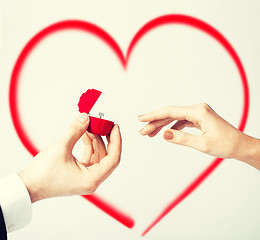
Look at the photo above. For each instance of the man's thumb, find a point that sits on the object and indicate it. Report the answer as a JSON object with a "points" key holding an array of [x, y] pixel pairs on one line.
{"points": [[76, 130]]}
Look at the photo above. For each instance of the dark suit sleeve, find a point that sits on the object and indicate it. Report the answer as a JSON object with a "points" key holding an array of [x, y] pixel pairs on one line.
{"points": [[3, 235]]}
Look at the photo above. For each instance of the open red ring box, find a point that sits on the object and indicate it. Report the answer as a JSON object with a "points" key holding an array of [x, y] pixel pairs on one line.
{"points": [[97, 126]]}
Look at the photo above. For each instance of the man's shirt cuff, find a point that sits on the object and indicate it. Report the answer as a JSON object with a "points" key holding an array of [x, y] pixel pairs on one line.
{"points": [[15, 202]]}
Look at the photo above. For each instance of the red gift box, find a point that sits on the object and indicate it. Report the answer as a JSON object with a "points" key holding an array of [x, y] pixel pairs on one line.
{"points": [[97, 126]]}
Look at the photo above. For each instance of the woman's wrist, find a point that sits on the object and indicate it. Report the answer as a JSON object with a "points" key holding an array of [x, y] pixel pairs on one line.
{"points": [[249, 151], [254, 153]]}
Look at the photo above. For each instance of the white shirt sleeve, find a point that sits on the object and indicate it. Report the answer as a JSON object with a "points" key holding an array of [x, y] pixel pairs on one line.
{"points": [[15, 202]]}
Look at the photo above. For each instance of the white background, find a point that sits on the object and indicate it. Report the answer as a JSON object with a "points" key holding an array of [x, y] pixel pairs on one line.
{"points": [[172, 65]]}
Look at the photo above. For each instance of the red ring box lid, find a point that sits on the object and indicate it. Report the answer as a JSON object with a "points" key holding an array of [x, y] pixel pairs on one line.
{"points": [[97, 126]]}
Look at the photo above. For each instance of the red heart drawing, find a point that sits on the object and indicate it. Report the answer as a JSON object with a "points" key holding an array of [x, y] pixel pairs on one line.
{"points": [[124, 59]]}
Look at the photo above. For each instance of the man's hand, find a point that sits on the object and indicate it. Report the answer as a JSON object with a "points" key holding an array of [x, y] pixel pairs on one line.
{"points": [[56, 172], [218, 138]]}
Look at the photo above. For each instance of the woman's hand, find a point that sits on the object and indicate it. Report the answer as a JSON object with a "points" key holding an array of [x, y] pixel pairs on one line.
{"points": [[218, 138], [56, 172]]}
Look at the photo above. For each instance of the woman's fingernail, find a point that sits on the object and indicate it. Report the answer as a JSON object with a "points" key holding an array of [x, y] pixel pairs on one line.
{"points": [[168, 135], [83, 117], [140, 116]]}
